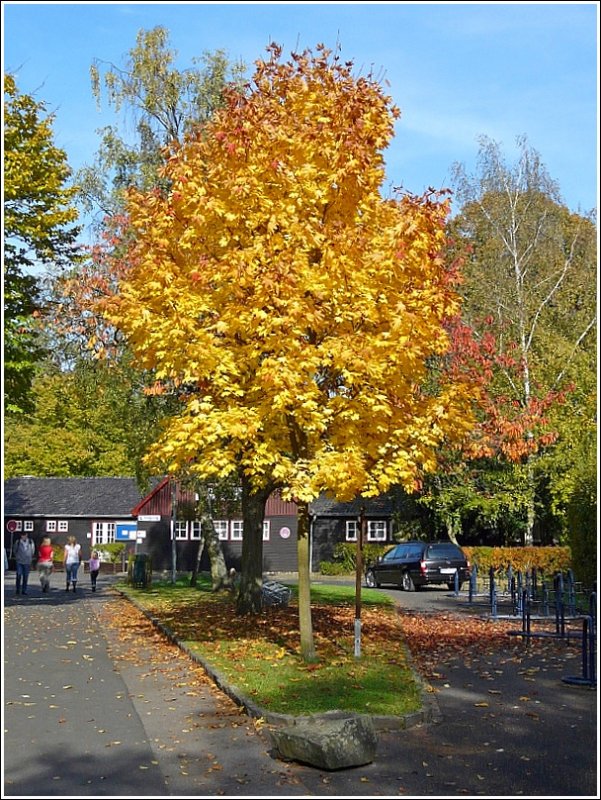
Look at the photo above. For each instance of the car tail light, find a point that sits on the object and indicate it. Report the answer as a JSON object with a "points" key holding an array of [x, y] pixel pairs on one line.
{"points": [[423, 567]]}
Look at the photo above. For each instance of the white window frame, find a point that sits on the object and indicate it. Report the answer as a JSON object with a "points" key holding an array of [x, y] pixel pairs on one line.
{"points": [[50, 526], [236, 530], [352, 526], [266, 529], [195, 530], [377, 530], [63, 525], [28, 525], [221, 528], [104, 532], [181, 530]]}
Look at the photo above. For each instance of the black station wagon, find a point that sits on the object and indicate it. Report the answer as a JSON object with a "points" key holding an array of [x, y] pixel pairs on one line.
{"points": [[412, 565]]}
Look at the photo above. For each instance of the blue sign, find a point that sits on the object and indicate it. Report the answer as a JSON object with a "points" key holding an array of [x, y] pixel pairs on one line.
{"points": [[126, 531]]}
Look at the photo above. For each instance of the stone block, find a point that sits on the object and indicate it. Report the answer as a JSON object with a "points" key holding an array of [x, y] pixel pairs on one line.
{"points": [[327, 743]]}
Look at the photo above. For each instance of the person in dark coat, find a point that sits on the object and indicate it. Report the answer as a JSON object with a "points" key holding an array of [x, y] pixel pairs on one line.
{"points": [[23, 551]]}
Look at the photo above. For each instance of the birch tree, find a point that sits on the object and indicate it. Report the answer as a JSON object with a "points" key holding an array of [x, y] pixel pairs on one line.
{"points": [[529, 282]]}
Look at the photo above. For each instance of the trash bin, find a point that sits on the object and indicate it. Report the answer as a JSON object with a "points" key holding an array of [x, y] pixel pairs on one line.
{"points": [[141, 571]]}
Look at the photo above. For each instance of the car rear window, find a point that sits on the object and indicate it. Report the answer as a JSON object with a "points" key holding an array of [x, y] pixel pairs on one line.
{"points": [[444, 551]]}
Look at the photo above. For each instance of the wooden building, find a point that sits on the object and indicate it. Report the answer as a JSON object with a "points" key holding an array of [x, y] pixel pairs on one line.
{"points": [[168, 506], [100, 511], [94, 510]]}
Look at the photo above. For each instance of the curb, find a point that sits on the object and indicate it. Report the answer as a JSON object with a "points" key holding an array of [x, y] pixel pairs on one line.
{"points": [[429, 713]]}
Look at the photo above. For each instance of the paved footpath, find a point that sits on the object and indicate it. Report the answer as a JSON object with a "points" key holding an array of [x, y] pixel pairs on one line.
{"points": [[93, 708]]}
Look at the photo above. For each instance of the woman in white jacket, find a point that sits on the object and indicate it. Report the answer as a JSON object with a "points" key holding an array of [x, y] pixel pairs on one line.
{"points": [[72, 559]]}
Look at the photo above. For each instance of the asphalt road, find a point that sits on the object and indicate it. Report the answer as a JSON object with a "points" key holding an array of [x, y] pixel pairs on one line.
{"points": [[427, 600], [85, 718]]}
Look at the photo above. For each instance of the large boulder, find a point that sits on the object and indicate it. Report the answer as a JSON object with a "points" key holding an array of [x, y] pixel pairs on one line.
{"points": [[327, 743]]}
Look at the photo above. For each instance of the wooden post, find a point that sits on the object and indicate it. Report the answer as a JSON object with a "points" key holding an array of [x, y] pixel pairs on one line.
{"points": [[358, 578], [173, 541]]}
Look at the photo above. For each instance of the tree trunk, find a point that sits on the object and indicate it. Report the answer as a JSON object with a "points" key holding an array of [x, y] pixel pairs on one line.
{"points": [[304, 585], [251, 576], [219, 575], [196, 570], [453, 525], [530, 503]]}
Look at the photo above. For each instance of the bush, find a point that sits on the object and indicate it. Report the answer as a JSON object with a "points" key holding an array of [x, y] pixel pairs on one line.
{"points": [[582, 526], [333, 568], [546, 560], [111, 553], [345, 553]]}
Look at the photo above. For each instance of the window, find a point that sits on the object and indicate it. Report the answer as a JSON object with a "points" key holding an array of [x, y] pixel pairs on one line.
{"points": [[181, 529], [351, 530], [394, 554], [236, 530], [195, 530], [50, 526], [376, 530], [220, 526], [444, 550], [28, 525], [103, 532], [63, 526], [266, 529]]}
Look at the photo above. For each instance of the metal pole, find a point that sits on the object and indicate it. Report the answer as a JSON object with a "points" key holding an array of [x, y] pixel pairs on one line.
{"points": [[358, 577]]}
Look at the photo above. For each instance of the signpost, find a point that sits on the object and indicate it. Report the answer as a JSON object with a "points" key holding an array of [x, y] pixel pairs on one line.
{"points": [[173, 542]]}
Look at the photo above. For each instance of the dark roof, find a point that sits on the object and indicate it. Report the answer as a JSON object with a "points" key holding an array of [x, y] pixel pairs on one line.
{"points": [[326, 506], [70, 497]]}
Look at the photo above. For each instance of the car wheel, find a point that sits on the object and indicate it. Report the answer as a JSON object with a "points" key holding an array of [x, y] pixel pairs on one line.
{"points": [[370, 580], [407, 583], [451, 585]]}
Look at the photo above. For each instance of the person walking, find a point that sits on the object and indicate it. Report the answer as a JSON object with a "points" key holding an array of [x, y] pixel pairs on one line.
{"points": [[72, 557], [45, 563], [23, 552], [94, 565]]}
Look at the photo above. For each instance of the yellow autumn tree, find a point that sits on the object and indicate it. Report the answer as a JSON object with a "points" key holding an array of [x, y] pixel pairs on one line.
{"points": [[295, 305]]}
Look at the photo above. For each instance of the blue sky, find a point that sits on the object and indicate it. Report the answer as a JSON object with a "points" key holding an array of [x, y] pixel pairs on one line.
{"points": [[456, 71]]}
